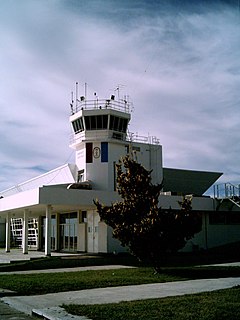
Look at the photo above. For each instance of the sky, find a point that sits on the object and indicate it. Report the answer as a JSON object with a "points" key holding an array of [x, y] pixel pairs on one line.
{"points": [[178, 61]]}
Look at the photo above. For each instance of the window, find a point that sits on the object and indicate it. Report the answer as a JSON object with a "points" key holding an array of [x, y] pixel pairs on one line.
{"points": [[224, 217], [118, 124], [80, 176], [96, 122], [69, 218], [78, 125], [129, 148], [83, 217]]}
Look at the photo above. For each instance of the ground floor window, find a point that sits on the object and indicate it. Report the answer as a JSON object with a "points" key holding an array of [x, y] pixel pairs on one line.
{"points": [[224, 217], [68, 231]]}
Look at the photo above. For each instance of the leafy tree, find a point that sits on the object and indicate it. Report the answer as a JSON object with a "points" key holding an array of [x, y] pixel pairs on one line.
{"points": [[139, 223]]}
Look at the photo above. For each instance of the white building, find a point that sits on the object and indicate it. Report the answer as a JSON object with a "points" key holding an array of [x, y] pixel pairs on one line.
{"points": [[60, 204]]}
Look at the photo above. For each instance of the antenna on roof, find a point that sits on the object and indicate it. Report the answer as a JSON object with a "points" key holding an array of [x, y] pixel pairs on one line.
{"points": [[85, 90], [71, 103], [119, 86], [76, 95]]}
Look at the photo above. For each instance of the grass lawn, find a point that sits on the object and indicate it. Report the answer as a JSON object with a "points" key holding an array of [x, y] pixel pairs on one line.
{"points": [[217, 305], [42, 283]]}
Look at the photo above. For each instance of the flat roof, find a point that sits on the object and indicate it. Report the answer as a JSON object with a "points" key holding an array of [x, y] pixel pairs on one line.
{"points": [[181, 181]]}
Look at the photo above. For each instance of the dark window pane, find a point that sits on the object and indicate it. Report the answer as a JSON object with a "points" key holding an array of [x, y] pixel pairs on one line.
{"points": [[93, 123], [87, 122], [105, 121], [111, 123]]}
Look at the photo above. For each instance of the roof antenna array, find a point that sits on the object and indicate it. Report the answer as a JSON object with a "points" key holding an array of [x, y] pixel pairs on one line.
{"points": [[71, 103], [119, 86], [76, 96], [74, 102]]}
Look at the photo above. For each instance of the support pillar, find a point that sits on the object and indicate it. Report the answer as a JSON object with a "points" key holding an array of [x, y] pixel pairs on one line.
{"points": [[57, 233], [8, 231], [48, 231], [25, 232], [39, 233]]}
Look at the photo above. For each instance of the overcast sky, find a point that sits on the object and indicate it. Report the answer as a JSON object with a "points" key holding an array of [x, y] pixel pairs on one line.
{"points": [[179, 61]]}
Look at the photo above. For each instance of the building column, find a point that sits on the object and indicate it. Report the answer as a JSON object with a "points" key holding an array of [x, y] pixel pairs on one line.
{"points": [[8, 231], [25, 232], [48, 231], [57, 232], [39, 233]]}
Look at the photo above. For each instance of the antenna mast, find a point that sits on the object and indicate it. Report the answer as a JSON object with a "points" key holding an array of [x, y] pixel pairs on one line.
{"points": [[85, 90], [76, 95], [71, 104]]}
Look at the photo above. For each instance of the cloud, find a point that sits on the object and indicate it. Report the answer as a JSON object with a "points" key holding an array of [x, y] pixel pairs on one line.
{"points": [[179, 62]]}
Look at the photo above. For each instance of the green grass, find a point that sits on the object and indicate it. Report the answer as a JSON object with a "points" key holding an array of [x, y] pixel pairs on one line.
{"points": [[43, 283], [68, 262], [217, 305]]}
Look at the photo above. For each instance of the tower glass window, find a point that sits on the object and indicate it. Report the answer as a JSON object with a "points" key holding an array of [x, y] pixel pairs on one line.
{"points": [[118, 124], [78, 125], [96, 122]]}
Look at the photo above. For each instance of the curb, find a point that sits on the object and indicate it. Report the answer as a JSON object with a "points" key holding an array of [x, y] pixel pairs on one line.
{"points": [[56, 313]]}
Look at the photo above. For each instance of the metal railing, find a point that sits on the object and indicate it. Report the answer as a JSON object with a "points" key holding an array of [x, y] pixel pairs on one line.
{"points": [[135, 137], [120, 105], [226, 190]]}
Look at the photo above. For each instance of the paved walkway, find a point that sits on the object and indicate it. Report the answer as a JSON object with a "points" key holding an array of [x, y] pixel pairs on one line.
{"points": [[17, 255], [49, 303], [8, 313]]}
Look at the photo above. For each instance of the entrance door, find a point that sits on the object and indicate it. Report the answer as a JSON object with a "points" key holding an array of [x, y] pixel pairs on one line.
{"points": [[68, 231], [93, 220]]}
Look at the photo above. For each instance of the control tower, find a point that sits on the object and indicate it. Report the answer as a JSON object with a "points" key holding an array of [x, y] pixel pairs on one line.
{"points": [[100, 138]]}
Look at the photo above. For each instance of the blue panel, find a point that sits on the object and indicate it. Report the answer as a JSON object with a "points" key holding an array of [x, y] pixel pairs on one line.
{"points": [[104, 152]]}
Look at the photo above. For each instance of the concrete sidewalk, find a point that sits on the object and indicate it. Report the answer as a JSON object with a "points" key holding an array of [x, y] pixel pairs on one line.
{"points": [[17, 255], [47, 305]]}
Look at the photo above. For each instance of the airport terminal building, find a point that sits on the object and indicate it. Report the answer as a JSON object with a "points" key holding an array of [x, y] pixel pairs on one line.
{"points": [[55, 211]]}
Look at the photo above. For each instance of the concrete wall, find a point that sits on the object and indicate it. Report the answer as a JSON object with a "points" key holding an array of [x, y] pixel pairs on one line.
{"points": [[213, 235], [114, 245]]}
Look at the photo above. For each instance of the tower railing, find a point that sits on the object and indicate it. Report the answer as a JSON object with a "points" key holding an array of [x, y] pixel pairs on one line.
{"points": [[120, 105]]}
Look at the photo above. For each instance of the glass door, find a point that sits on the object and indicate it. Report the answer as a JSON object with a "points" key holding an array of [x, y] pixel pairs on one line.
{"points": [[68, 231]]}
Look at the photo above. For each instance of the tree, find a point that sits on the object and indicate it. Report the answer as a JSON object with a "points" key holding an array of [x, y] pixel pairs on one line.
{"points": [[139, 223]]}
